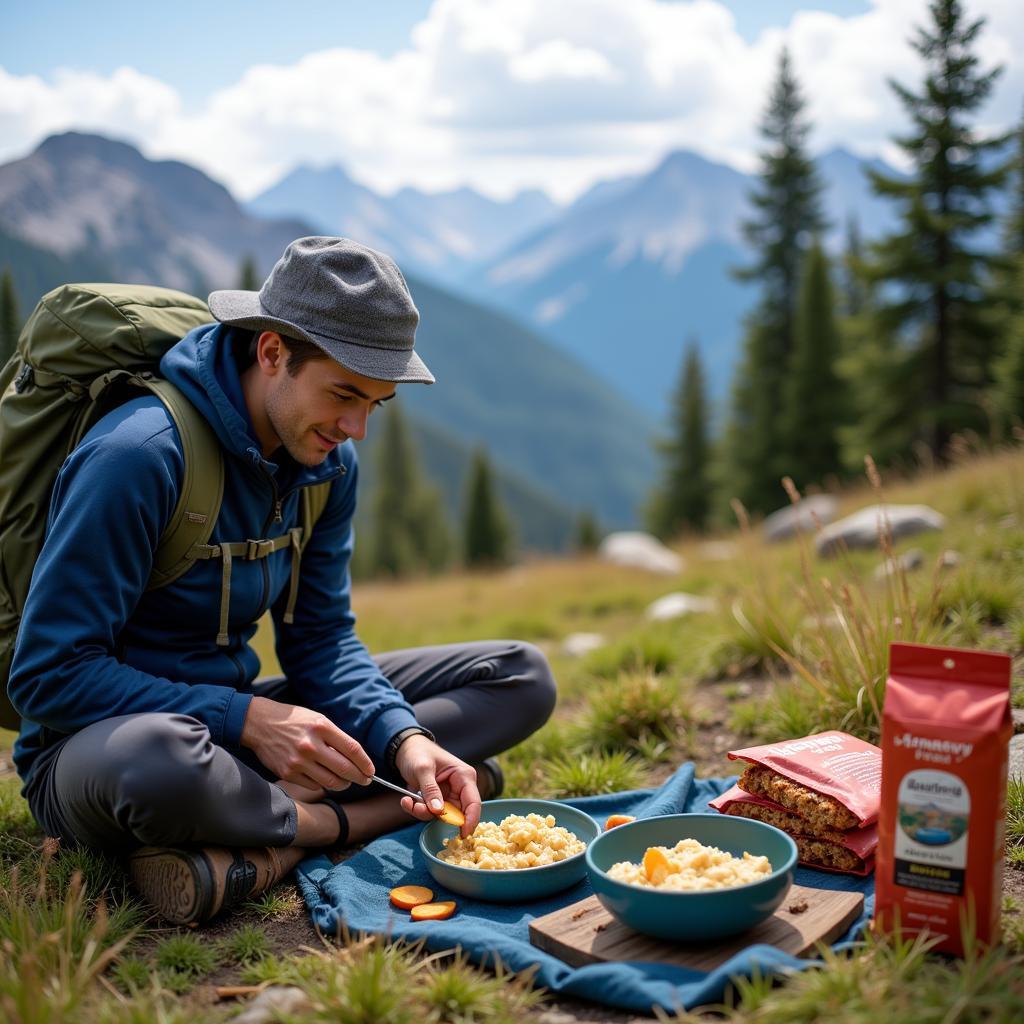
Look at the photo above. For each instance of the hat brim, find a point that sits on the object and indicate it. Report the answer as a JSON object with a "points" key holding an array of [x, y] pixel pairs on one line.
{"points": [[399, 366]]}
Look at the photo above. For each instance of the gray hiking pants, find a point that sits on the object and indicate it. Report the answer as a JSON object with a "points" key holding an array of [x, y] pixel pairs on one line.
{"points": [[158, 779]]}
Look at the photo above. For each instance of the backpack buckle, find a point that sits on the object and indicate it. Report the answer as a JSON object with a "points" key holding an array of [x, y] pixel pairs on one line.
{"points": [[24, 380], [258, 549]]}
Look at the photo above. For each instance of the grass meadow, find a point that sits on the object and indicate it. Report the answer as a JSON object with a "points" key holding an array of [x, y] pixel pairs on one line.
{"points": [[796, 644]]}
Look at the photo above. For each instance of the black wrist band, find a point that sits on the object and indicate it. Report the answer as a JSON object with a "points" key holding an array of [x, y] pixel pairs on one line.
{"points": [[342, 821], [391, 751]]}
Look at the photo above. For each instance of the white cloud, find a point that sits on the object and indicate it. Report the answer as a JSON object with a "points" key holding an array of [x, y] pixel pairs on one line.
{"points": [[502, 94]]}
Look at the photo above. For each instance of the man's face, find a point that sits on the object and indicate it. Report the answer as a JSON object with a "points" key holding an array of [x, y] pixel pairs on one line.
{"points": [[321, 407]]}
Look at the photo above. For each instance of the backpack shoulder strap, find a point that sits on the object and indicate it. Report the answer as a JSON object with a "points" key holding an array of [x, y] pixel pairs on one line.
{"points": [[202, 487], [314, 501]]}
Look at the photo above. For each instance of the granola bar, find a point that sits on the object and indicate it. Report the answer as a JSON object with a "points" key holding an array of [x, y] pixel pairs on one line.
{"points": [[823, 812]]}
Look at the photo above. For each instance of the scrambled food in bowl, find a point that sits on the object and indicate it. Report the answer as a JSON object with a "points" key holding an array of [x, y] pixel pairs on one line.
{"points": [[518, 841], [690, 866]]}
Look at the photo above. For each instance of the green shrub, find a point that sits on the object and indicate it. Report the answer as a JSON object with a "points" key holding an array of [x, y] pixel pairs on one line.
{"points": [[590, 774], [245, 945], [636, 707], [184, 958]]}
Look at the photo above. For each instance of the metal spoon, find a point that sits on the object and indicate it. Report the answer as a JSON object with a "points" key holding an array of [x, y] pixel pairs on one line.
{"points": [[417, 797]]}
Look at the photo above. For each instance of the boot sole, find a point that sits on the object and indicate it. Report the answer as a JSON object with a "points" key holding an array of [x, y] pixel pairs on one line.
{"points": [[178, 884]]}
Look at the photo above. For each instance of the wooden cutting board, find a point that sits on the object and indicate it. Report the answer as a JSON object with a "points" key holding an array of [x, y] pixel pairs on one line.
{"points": [[586, 933]]}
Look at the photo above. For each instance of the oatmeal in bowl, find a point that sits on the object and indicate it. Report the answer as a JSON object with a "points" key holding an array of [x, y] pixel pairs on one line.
{"points": [[692, 877], [521, 850]]}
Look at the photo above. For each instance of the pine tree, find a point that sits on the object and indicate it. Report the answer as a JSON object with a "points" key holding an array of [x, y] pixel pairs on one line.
{"points": [[855, 289], [814, 401], [10, 318], [1013, 225], [486, 534], [787, 215], [248, 279], [937, 308], [683, 501], [410, 533], [1008, 388], [588, 533]]}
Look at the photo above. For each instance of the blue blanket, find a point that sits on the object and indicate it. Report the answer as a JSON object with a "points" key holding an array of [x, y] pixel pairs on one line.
{"points": [[355, 893]]}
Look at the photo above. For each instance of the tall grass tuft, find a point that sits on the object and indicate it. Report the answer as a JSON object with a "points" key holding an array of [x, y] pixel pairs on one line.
{"points": [[54, 948], [891, 980], [840, 660]]}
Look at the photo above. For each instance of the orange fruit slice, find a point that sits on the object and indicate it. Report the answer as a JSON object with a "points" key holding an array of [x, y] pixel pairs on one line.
{"points": [[451, 815], [433, 911], [656, 865], [618, 819], [409, 896]]}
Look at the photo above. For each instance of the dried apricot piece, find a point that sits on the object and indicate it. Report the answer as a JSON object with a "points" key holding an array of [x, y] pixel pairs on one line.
{"points": [[433, 911], [409, 896], [618, 819], [451, 815], [656, 865]]}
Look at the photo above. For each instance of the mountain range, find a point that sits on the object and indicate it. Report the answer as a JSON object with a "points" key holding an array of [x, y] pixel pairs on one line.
{"points": [[442, 234], [621, 278], [82, 207]]}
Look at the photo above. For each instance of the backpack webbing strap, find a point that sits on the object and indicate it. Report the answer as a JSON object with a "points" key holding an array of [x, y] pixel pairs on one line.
{"points": [[314, 501], [250, 550]]}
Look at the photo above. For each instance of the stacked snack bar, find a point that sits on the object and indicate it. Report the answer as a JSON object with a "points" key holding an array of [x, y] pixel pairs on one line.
{"points": [[823, 790]]}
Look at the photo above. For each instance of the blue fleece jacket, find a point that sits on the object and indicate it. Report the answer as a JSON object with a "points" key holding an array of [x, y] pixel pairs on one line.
{"points": [[95, 644]]}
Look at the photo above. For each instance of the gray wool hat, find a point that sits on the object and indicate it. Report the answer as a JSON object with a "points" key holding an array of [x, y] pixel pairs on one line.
{"points": [[345, 298]]}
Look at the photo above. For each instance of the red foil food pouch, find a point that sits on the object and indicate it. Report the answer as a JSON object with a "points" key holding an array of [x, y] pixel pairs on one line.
{"points": [[945, 739], [833, 763]]}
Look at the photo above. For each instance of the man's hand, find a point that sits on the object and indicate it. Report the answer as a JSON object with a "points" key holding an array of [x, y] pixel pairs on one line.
{"points": [[303, 746], [438, 775]]}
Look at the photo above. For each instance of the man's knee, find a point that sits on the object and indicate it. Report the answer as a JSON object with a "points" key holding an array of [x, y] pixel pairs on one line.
{"points": [[132, 777], [146, 759], [540, 688], [162, 760]]}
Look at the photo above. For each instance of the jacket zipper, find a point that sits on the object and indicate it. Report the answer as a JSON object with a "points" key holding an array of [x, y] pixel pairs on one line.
{"points": [[277, 515]]}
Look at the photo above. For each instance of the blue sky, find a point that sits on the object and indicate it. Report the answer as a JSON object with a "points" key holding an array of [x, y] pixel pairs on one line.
{"points": [[497, 94]]}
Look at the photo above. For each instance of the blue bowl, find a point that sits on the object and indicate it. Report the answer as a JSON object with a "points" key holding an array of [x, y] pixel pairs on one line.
{"points": [[700, 915], [520, 884]]}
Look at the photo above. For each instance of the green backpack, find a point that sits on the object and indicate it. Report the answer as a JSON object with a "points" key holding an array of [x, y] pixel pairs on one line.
{"points": [[85, 349]]}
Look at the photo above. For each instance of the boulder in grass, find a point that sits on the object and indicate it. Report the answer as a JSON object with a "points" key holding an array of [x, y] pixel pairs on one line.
{"points": [[907, 562], [805, 517], [575, 645], [272, 1002], [862, 529], [640, 550], [674, 606]]}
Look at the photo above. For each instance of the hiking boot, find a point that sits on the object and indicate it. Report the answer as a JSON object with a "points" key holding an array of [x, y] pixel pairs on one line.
{"points": [[490, 779], [185, 886]]}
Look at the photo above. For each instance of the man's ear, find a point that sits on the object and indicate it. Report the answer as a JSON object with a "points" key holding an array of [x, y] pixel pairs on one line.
{"points": [[270, 352]]}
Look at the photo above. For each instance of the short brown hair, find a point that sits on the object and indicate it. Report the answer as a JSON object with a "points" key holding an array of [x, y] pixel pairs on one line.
{"points": [[299, 351]]}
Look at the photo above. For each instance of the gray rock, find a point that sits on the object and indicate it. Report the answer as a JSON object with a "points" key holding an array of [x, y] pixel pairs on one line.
{"points": [[674, 606], [907, 562], [640, 550], [861, 529], [1017, 756], [575, 645], [805, 517], [272, 1002]]}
